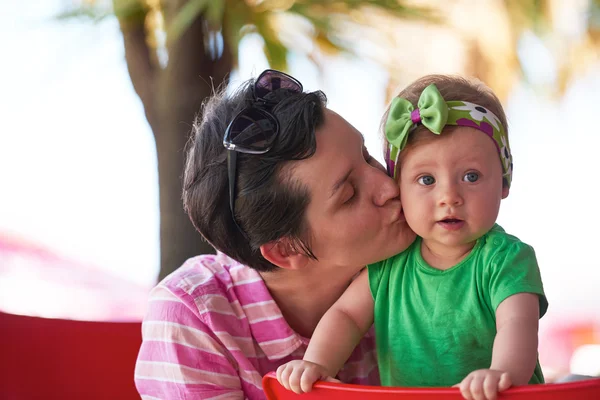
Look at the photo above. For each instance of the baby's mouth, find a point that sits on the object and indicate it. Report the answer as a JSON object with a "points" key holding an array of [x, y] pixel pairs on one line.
{"points": [[450, 220], [451, 224]]}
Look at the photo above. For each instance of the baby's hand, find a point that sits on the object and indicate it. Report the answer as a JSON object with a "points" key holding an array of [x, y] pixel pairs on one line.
{"points": [[484, 384], [299, 375]]}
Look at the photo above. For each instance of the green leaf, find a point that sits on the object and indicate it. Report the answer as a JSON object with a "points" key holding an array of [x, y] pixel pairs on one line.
{"points": [[275, 51], [234, 20], [123, 9], [190, 11], [92, 13], [214, 13], [594, 15], [127, 9]]}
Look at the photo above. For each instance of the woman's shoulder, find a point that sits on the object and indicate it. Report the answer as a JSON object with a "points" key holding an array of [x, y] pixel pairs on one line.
{"points": [[203, 271], [205, 280]]}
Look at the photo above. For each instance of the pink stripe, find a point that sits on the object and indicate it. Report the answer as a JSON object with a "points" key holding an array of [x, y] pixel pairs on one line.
{"points": [[255, 312], [219, 304], [212, 326], [177, 313], [251, 392], [269, 331], [188, 315], [191, 357], [175, 353], [162, 371], [198, 359], [253, 292], [170, 311], [171, 390]]}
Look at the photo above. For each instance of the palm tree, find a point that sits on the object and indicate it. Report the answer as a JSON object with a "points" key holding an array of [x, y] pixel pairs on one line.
{"points": [[178, 50]]}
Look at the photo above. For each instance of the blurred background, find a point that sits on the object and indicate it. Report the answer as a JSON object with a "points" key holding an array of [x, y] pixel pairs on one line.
{"points": [[97, 100]]}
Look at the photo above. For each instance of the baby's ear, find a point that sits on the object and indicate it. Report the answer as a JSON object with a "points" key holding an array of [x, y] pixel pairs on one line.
{"points": [[505, 191], [282, 254]]}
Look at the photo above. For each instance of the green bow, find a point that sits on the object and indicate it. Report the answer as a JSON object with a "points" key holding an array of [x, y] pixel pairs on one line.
{"points": [[433, 111]]}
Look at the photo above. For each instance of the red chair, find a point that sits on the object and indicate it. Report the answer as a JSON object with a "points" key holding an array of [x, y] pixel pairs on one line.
{"points": [[582, 390], [44, 358]]}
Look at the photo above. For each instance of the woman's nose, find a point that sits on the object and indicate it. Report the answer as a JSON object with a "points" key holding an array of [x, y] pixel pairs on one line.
{"points": [[384, 188]]}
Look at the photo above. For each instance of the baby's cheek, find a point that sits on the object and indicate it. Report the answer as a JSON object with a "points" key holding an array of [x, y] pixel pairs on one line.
{"points": [[413, 210], [403, 186], [407, 195]]}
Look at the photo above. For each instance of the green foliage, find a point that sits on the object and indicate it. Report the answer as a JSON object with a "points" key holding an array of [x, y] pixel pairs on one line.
{"points": [[233, 19], [96, 12], [594, 15], [186, 16], [236, 18]]}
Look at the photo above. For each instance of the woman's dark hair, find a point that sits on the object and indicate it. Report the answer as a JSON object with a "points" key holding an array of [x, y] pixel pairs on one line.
{"points": [[270, 203]]}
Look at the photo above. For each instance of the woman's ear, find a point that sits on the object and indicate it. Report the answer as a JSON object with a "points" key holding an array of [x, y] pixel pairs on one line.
{"points": [[282, 254], [505, 190]]}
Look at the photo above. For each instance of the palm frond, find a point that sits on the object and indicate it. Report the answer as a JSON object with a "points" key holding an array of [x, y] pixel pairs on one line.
{"points": [[275, 51], [91, 13], [97, 11], [215, 12], [235, 19], [333, 21], [184, 18]]}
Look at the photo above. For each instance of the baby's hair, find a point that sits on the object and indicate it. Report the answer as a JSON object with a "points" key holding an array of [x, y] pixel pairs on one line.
{"points": [[451, 87]]}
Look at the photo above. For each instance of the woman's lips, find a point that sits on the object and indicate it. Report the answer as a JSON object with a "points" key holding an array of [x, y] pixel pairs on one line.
{"points": [[402, 218], [398, 216]]}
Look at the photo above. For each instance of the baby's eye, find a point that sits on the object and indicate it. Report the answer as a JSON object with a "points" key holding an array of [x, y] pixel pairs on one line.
{"points": [[426, 180], [471, 177]]}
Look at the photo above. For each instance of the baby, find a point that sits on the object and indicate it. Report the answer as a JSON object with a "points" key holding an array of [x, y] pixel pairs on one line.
{"points": [[461, 305]]}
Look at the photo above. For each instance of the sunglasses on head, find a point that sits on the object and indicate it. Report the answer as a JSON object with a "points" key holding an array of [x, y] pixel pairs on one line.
{"points": [[254, 129]]}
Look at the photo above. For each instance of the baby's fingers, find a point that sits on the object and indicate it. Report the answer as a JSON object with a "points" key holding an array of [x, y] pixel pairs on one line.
{"points": [[308, 378], [283, 375], [476, 388], [294, 380], [490, 387], [465, 387], [505, 382]]}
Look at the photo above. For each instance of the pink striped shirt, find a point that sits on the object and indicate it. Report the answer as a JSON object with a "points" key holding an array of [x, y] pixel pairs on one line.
{"points": [[212, 330]]}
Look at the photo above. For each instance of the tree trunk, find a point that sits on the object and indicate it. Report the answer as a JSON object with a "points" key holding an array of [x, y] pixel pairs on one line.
{"points": [[172, 97]]}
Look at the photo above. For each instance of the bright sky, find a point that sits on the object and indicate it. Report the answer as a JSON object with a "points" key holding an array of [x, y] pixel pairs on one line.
{"points": [[78, 168]]}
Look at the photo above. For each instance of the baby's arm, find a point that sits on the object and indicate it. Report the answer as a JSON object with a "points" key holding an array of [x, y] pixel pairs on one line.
{"points": [[514, 355], [334, 339], [516, 343]]}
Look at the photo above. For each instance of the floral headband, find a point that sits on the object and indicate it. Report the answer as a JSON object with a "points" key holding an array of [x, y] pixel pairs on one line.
{"points": [[435, 113]]}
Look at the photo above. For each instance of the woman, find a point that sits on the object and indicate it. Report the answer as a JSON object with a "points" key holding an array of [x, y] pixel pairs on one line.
{"points": [[286, 191]]}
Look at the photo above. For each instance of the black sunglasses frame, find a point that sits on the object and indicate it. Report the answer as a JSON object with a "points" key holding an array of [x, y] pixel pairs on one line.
{"points": [[249, 114]]}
